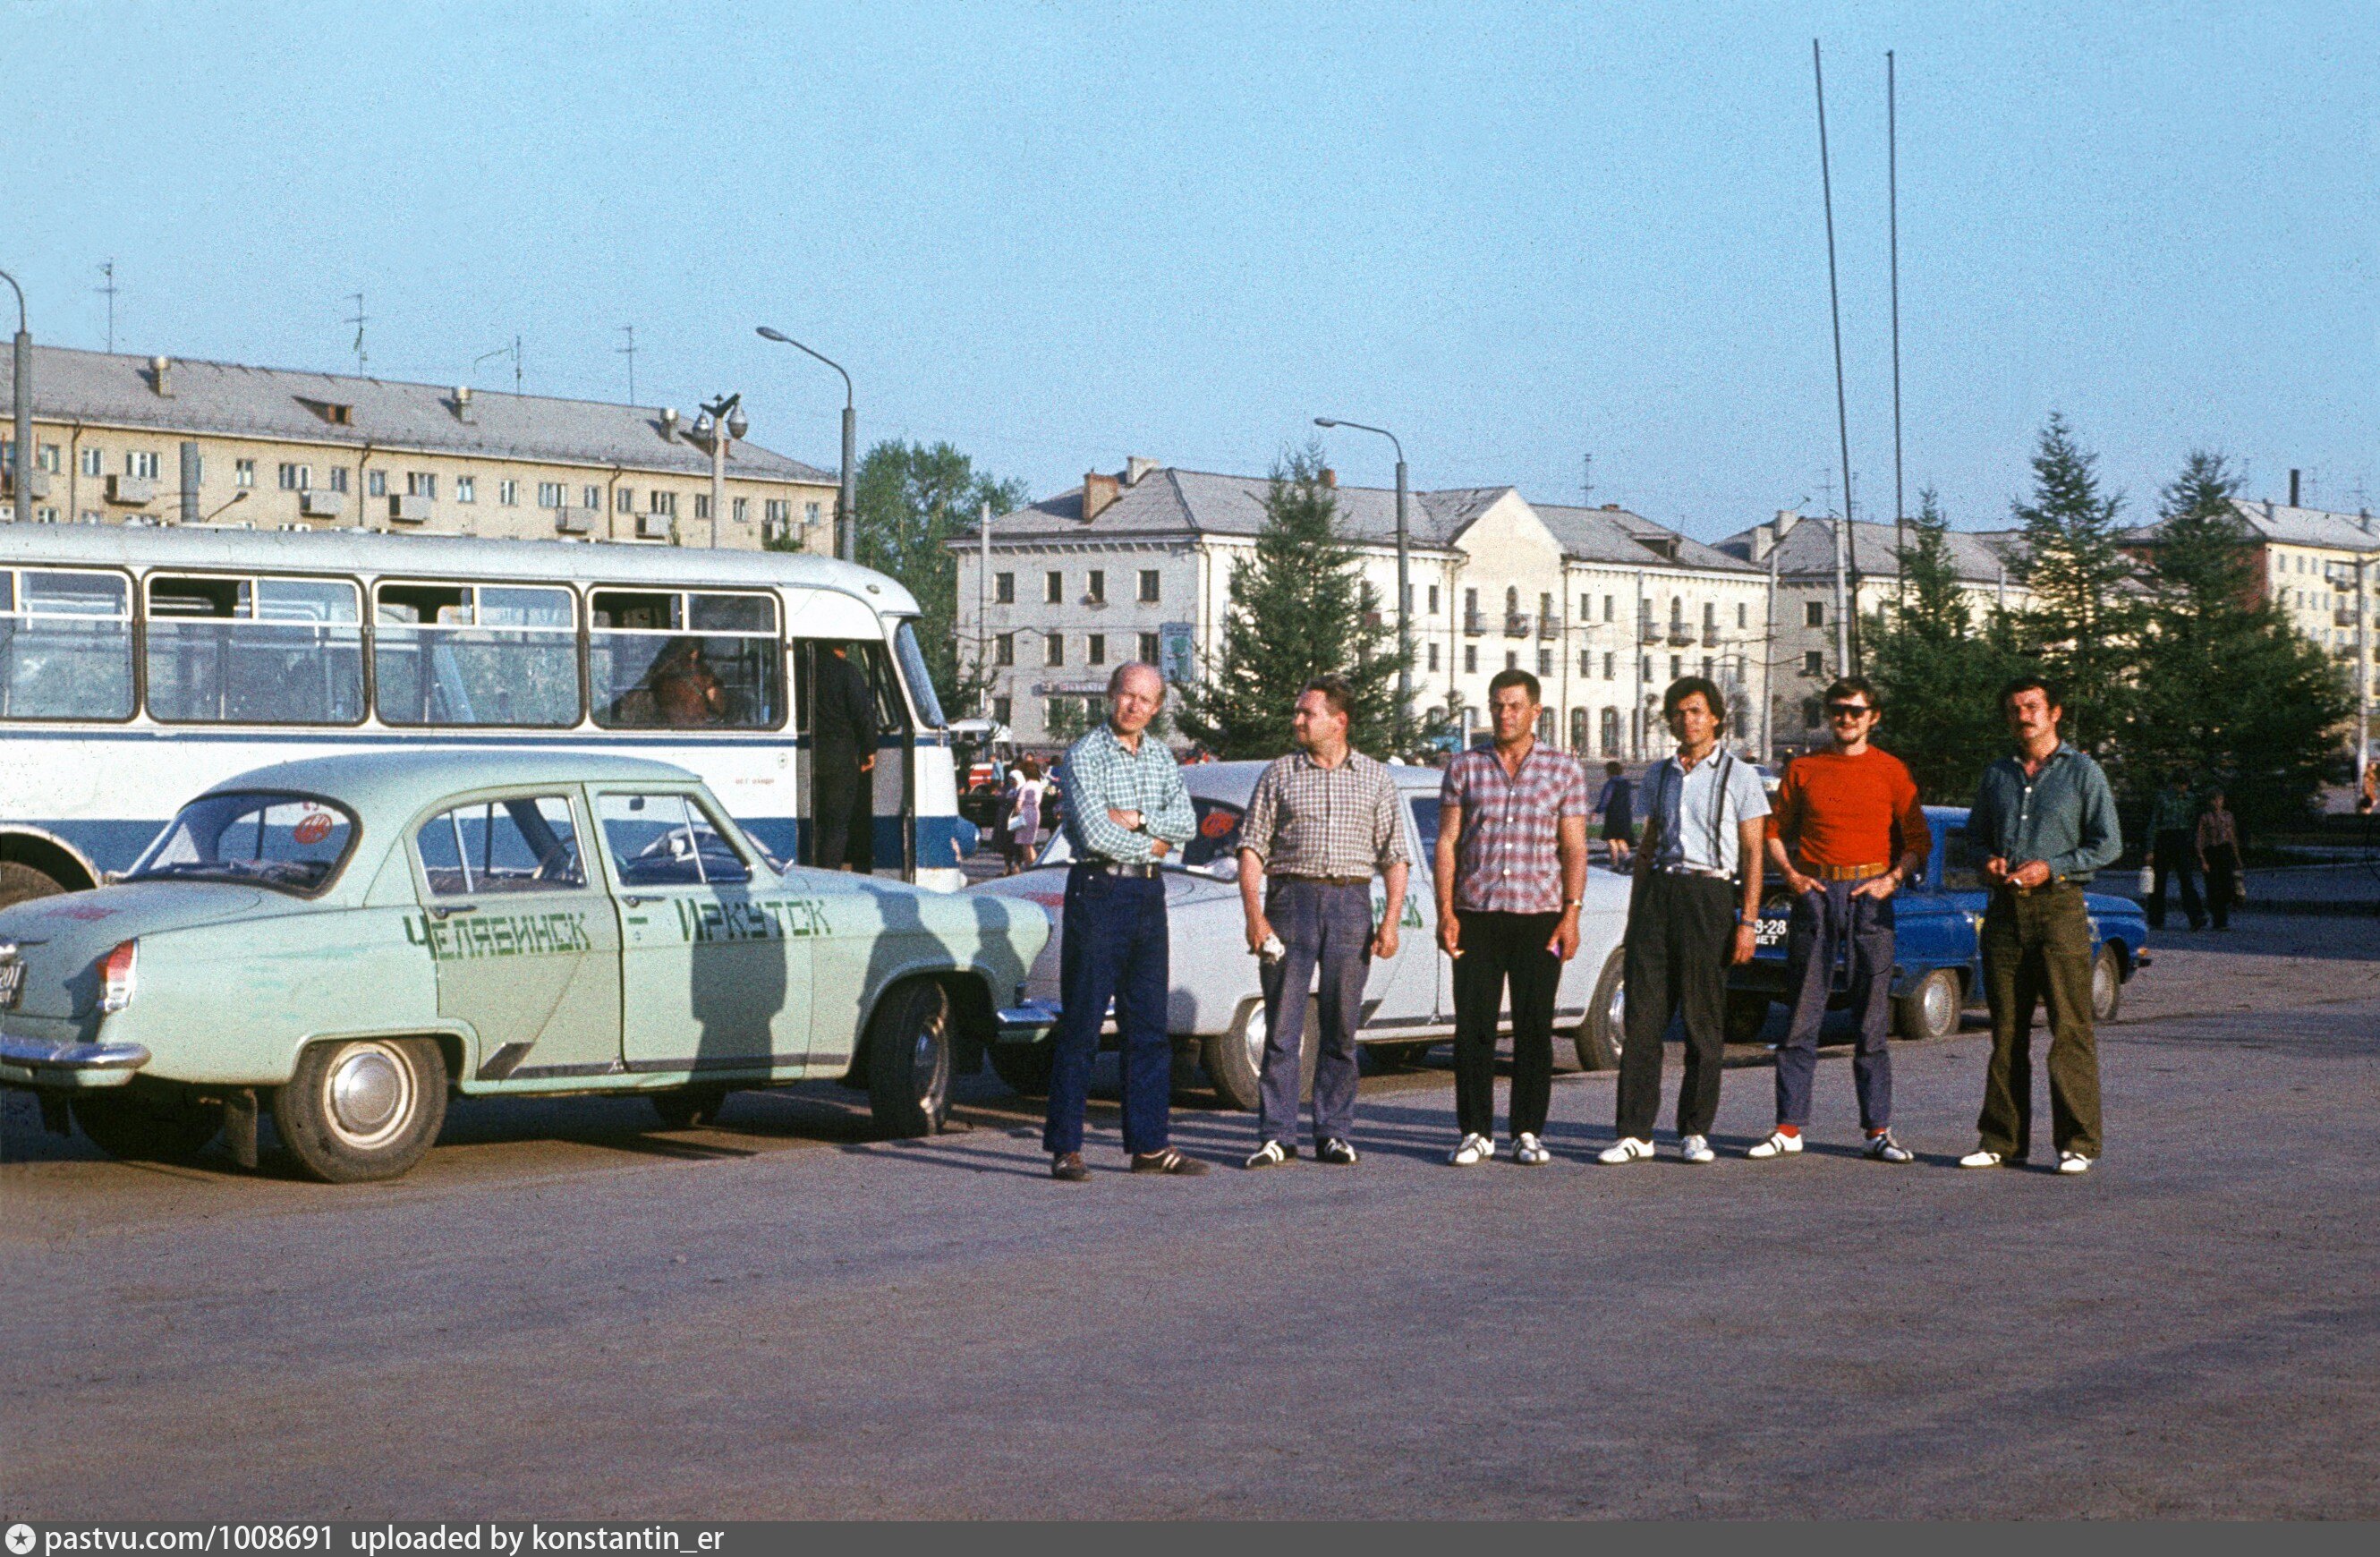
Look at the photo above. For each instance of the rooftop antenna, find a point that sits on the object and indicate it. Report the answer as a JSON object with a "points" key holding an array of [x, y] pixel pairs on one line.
{"points": [[1892, 196], [107, 290], [513, 351], [1586, 481], [630, 351], [1844, 665], [358, 320]]}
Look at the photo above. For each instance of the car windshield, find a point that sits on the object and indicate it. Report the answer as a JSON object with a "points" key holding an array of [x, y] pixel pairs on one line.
{"points": [[1960, 872], [291, 843], [1217, 838]]}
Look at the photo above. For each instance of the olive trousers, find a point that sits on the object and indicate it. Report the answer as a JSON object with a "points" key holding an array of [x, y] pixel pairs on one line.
{"points": [[2037, 949]]}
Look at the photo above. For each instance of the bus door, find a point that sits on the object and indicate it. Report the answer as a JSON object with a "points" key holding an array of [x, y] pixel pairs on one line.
{"points": [[884, 840]]}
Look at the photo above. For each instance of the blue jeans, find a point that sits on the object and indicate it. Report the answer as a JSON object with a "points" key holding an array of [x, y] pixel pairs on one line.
{"points": [[1114, 946], [1329, 928], [1824, 922]]}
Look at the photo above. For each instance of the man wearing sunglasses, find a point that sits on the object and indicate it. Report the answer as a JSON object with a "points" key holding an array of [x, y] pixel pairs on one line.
{"points": [[1831, 837]]}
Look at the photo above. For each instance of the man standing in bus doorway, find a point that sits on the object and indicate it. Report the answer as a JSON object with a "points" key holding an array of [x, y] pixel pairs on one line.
{"points": [[842, 753], [1126, 811], [1688, 922], [1831, 838]]}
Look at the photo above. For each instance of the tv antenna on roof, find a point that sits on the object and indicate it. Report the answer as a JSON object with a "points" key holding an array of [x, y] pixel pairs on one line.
{"points": [[1586, 481], [513, 351], [107, 290], [358, 321], [630, 351]]}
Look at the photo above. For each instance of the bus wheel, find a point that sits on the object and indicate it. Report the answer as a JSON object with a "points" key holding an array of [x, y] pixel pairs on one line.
{"points": [[149, 1121], [19, 881], [1026, 1067], [909, 1060], [683, 1108], [1597, 1039], [368, 1108]]}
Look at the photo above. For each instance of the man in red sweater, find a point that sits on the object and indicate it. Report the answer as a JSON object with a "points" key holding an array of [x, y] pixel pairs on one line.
{"points": [[1831, 837]]}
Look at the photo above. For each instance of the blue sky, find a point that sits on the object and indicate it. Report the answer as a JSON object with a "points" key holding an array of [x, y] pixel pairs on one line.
{"points": [[1057, 233]]}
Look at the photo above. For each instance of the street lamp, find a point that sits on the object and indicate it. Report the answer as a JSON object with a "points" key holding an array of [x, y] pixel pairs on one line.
{"points": [[1404, 590], [721, 423], [846, 540], [24, 389]]}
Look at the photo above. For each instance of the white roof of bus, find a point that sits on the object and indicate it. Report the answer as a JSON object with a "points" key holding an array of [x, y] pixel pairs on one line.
{"points": [[378, 553]]}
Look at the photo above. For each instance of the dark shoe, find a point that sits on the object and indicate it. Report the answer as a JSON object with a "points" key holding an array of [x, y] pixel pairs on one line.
{"points": [[1335, 1150], [1166, 1161], [1068, 1166]]}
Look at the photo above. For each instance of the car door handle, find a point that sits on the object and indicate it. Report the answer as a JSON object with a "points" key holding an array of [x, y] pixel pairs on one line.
{"points": [[633, 901], [449, 910]]}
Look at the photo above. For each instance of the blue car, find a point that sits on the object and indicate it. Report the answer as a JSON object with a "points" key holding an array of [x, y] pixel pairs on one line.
{"points": [[1939, 967]]}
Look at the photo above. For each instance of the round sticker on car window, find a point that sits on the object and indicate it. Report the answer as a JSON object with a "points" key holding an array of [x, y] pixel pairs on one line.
{"points": [[1217, 824], [312, 828]]}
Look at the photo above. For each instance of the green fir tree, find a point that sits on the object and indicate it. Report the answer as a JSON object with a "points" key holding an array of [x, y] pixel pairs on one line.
{"points": [[1299, 608], [2083, 619], [1936, 661]]}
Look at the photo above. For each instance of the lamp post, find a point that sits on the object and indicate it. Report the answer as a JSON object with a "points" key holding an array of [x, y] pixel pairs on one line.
{"points": [[1405, 589], [846, 540], [24, 391], [721, 423]]}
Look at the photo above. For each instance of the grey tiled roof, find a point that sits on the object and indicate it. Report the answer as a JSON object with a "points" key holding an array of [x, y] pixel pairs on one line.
{"points": [[231, 399], [2280, 523], [1617, 536], [1809, 549]]}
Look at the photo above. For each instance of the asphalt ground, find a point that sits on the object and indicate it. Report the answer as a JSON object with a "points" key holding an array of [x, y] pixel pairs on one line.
{"points": [[567, 1311]]}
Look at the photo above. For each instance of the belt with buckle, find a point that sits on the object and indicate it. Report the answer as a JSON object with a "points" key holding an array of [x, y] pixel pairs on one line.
{"points": [[1329, 880], [1120, 867], [1846, 872], [1695, 870]]}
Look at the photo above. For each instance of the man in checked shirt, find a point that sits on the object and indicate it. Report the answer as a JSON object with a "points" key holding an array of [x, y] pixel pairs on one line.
{"points": [[1511, 874], [1321, 821]]}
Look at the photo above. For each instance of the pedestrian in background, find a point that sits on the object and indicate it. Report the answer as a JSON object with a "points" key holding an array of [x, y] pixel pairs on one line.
{"points": [[1320, 822], [1024, 822], [1705, 818], [2218, 856], [1511, 875], [2173, 827], [1847, 830], [2046, 821], [842, 758], [1617, 805], [1126, 811]]}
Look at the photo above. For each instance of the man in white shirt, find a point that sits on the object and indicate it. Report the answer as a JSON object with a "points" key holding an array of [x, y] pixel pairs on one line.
{"points": [[1693, 915]]}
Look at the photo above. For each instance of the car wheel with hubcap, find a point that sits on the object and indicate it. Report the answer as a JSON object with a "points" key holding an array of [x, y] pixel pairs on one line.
{"points": [[683, 1108], [363, 1108], [1931, 1010], [2106, 984], [1235, 1060], [909, 1060], [20, 882], [149, 1121], [1599, 1037]]}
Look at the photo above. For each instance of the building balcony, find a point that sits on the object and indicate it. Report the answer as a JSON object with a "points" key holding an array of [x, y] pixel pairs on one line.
{"points": [[1650, 634], [1473, 622], [405, 508], [2344, 617], [1550, 627], [322, 505], [577, 522], [1516, 624], [38, 481], [1680, 636], [1711, 636], [132, 489]]}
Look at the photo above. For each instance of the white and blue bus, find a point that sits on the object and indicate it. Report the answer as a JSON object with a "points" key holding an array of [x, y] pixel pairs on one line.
{"points": [[139, 666]]}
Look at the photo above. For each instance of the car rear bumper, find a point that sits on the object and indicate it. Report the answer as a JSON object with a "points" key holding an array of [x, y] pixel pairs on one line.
{"points": [[68, 1063]]}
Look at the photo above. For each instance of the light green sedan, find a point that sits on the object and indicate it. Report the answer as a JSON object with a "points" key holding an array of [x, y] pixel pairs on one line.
{"points": [[347, 941]]}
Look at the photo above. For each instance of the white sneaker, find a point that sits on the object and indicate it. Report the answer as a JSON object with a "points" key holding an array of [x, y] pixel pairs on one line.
{"points": [[1627, 1149], [1778, 1144], [2073, 1162], [1474, 1151], [1529, 1152], [1696, 1149], [1884, 1149], [1979, 1158]]}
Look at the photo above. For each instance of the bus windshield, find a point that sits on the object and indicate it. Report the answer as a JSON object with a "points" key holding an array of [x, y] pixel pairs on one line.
{"points": [[290, 842]]}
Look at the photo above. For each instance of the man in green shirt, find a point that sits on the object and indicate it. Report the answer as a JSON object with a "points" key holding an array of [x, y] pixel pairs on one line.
{"points": [[2045, 821]]}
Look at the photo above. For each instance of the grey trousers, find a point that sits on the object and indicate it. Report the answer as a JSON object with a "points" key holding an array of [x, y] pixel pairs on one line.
{"points": [[1325, 929], [1824, 922]]}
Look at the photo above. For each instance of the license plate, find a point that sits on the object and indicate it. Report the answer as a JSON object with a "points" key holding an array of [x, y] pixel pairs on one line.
{"points": [[12, 984], [1771, 932]]}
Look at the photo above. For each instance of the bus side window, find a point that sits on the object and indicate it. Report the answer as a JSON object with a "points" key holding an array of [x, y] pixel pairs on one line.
{"points": [[65, 646]]}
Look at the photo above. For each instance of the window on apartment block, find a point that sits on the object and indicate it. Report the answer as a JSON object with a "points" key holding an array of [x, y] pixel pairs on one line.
{"points": [[776, 511], [1545, 661], [702, 506], [1003, 710], [508, 493], [1586, 663], [550, 494], [296, 478], [1094, 649], [1471, 659], [376, 483], [1644, 668], [740, 512], [1003, 649], [1611, 667], [141, 462], [1053, 649], [1054, 589], [1095, 587], [1610, 608], [1149, 650], [1433, 600], [1677, 666], [1511, 659], [1003, 588], [1814, 663], [421, 483], [243, 473], [1433, 656], [810, 515], [1743, 617], [338, 478], [1148, 586], [1814, 613], [624, 500], [467, 489], [46, 458], [662, 504], [94, 461]]}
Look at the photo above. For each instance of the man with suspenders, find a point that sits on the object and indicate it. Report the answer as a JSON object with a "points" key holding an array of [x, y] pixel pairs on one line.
{"points": [[1688, 920]]}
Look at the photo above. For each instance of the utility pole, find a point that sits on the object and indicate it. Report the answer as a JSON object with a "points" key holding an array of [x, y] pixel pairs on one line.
{"points": [[358, 321], [107, 288], [722, 424], [23, 389], [1842, 414], [2363, 668], [983, 605], [1768, 657], [630, 351], [1892, 188]]}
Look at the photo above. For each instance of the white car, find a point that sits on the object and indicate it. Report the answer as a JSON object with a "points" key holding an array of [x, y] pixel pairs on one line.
{"points": [[1216, 1011]]}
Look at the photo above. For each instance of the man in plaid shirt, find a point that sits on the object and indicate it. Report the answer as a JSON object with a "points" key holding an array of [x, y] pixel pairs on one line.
{"points": [[1321, 821], [1511, 874]]}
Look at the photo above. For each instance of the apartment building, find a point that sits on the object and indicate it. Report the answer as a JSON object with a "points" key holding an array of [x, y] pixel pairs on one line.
{"points": [[1604, 605], [153, 440]]}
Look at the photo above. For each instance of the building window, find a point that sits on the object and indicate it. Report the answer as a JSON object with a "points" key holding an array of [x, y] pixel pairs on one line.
{"points": [[376, 483], [1810, 713], [1470, 603], [338, 478], [702, 506], [1677, 666], [46, 458], [1610, 667], [467, 489], [1094, 649], [1433, 656], [1433, 600], [810, 515], [1743, 617], [775, 511], [1814, 613], [1644, 668], [1586, 663], [1545, 661], [421, 483], [1607, 609], [141, 462], [1055, 650], [1710, 616], [1003, 588], [663, 505], [1471, 659], [1148, 586], [296, 478], [1095, 587], [1706, 667], [508, 493], [624, 500], [1054, 590], [1814, 663], [741, 511], [91, 517], [47, 516], [94, 461], [243, 473], [1149, 650], [1003, 710], [1511, 659], [550, 494], [1003, 649]]}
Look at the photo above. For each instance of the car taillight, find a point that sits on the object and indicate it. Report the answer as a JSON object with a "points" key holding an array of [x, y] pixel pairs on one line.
{"points": [[116, 977]]}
